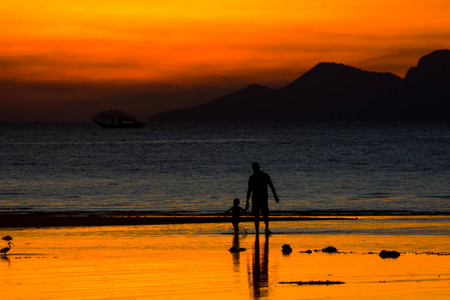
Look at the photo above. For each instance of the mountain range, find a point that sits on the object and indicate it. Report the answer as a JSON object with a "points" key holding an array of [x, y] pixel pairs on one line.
{"points": [[331, 91]]}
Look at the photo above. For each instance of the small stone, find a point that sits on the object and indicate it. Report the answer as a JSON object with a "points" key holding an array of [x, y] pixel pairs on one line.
{"points": [[235, 249], [286, 249], [329, 249], [389, 254]]}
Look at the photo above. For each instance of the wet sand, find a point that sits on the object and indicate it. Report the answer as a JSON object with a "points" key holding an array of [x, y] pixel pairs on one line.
{"points": [[192, 261]]}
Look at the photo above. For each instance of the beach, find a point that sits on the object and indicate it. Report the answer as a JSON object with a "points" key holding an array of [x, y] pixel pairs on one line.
{"points": [[84, 219], [191, 260]]}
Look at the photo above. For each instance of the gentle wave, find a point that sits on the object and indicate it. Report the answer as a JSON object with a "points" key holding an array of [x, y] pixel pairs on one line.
{"points": [[276, 213]]}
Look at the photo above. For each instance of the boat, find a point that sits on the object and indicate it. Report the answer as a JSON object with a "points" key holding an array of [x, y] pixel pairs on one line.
{"points": [[117, 119]]}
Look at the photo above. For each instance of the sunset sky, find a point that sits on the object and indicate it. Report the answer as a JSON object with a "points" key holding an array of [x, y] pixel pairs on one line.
{"points": [[67, 60]]}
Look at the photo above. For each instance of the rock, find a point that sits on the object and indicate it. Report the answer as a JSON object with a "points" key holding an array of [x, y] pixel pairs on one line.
{"points": [[286, 249], [235, 249], [329, 249], [389, 254], [7, 238]]}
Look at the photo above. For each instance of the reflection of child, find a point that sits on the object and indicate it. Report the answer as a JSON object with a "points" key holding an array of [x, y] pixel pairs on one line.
{"points": [[235, 213]]}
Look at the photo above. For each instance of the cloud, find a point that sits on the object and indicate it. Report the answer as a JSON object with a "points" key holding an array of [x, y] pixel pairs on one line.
{"points": [[34, 98], [40, 67]]}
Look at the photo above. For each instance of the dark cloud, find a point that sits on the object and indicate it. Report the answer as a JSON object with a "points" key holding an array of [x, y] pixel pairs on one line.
{"points": [[45, 67]]}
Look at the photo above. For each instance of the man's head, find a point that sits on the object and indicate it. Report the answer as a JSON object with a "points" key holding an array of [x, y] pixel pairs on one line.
{"points": [[255, 166]]}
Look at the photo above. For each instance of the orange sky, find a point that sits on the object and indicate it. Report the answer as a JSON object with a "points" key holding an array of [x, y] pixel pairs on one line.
{"points": [[69, 59]]}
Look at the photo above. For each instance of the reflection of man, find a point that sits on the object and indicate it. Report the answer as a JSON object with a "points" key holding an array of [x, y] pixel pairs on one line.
{"points": [[259, 276], [258, 184]]}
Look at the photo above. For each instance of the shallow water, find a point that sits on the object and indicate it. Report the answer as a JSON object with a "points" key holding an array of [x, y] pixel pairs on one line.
{"points": [[193, 262], [198, 168]]}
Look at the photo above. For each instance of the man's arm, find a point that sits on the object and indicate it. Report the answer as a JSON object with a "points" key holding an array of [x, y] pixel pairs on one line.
{"points": [[247, 205], [274, 192], [249, 193]]}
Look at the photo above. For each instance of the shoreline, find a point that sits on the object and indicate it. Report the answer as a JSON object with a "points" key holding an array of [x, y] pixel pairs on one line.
{"points": [[69, 220], [85, 219]]}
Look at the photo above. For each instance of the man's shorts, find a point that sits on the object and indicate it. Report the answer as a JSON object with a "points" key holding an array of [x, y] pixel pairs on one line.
{"points": [[260, 207]]}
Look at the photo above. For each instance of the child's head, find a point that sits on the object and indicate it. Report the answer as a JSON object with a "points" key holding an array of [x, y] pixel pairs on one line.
{"points": [[236, 201]]}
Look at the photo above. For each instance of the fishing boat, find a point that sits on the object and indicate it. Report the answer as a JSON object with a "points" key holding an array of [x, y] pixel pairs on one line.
{"points": [[117, 119]]}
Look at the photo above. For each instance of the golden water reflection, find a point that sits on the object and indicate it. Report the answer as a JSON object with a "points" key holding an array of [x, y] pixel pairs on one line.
{"points": [[193, 262]]}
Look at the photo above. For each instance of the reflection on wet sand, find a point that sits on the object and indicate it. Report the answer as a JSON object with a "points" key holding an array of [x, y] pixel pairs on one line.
{"points": [[258, 270], [236, 255], [6, 259], [194, 262]]}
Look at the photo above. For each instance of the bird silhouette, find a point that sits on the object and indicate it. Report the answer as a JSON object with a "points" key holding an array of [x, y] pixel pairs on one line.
{"points": [[6, 249], [7, 238]]}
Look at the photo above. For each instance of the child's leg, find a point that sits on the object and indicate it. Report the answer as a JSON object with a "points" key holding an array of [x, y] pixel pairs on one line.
{"points": [[236, 227]]}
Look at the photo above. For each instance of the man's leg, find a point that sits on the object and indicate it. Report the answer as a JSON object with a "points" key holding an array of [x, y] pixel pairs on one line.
{"points": [[257, 223], [266, 221], [256, 211], [265, 212]]}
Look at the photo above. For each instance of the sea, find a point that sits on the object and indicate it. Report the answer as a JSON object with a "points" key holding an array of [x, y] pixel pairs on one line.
{"points": [[318, 168]]}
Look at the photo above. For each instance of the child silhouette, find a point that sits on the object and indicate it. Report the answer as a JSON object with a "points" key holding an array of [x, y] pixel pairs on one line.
{"points": [[236, 211]]}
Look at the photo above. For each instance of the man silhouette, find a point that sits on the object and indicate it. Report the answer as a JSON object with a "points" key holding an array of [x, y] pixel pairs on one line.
{"points": [[258, 189]]}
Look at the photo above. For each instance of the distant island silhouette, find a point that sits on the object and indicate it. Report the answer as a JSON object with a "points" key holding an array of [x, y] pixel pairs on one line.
{"points": [[331, 91]]}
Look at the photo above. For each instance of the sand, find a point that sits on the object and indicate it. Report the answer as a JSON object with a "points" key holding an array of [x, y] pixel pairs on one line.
{"points": [[67, 220], [192, 261]]}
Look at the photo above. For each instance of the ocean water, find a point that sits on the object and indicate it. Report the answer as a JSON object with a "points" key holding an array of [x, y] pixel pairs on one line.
{"points": [[343, 168]]}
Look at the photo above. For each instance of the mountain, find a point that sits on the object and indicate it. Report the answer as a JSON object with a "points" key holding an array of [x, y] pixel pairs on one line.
{"points": [[238, 106], [331, 91], [428, 90], [425, 94], [432, 67]]}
